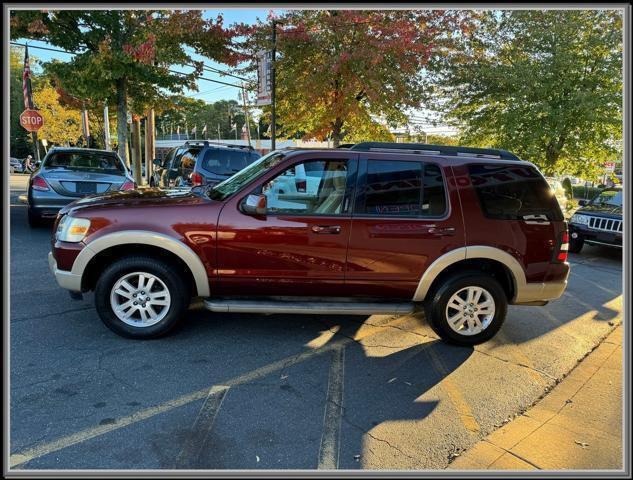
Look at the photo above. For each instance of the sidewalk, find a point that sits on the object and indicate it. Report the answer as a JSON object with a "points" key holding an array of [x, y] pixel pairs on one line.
{"points": [[577, 426]]}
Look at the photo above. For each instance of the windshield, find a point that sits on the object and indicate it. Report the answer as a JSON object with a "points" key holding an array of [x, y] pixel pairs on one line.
{"points": [[609, 197], [225, 161], [85, 161], [255, 170]]}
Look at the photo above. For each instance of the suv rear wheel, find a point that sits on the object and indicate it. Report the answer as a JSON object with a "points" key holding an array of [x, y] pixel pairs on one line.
{"points": [[34, 218], [467, 309], [141, 297], [576, 244]]}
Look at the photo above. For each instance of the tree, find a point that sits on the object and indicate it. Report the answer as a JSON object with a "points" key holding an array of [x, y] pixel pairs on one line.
{"points": [[20, 142], [62, 124], [126, 54], [545, 84], [347, 74]]}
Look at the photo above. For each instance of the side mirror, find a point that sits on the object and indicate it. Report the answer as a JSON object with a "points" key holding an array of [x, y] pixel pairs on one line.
{"points": [[254, 205], [157, 162], [582, 203]]}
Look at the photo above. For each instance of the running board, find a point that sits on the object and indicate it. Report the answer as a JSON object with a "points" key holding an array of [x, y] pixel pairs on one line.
{"points": [[320, 308]]}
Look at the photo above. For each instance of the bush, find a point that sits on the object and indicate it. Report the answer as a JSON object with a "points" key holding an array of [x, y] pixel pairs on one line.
{"points": [[569, 192], [581, 191]]}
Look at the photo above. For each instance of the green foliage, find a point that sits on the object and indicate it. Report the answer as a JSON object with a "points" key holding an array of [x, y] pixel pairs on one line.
{"points": [[581, 191], [194, 112], [545, 84], [125, 53]]}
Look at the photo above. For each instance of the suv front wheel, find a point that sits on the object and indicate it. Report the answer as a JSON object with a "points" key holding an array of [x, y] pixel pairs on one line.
{"points": [[141, 297], [467, 309]]}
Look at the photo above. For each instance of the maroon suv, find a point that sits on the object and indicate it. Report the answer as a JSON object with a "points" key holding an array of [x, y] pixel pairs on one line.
{"points": [[377, 228]]}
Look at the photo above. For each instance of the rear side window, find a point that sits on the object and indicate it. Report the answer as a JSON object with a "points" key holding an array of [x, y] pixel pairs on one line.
{"points": [[225, 161], [396, 188], [508, 192]]}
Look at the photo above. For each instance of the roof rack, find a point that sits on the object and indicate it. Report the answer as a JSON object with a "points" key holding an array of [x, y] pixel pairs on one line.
{"points": [[206, 143], [425, 149]]}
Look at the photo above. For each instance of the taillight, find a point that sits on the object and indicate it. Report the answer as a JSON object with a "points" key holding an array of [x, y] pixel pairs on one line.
{"points": [[196, 179], [302, 185], [564, 247], [128, 185], [38, 183]]}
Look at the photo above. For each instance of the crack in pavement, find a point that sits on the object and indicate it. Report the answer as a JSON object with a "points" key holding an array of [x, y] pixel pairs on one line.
{"points": [[38, 317], [505, 360]]}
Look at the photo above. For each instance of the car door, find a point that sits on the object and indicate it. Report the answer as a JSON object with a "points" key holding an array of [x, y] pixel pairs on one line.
{"points": [[402, 222], [299, 247]]}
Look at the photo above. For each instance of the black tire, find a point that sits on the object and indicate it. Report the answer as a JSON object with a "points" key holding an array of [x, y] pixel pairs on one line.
{"points": [[178, 288], [435, 307], [576, 244], [34, 218]]}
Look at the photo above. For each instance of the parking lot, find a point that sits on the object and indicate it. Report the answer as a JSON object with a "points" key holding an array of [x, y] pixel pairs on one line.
{"points": [[229, 391]]}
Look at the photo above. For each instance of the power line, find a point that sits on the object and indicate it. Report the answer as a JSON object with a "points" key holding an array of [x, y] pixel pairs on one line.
{"points": [[170, 70]]}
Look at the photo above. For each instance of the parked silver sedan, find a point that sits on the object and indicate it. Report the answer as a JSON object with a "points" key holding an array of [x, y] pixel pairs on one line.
{"points": [[67, 174]]}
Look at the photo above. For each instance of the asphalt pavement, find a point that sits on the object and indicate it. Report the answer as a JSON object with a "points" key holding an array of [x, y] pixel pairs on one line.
{"points": [[237, 391]]}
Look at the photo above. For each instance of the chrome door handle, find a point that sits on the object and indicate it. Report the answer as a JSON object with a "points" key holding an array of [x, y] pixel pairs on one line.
{"points": [[331, 229], [442, 231], [536, 219]]}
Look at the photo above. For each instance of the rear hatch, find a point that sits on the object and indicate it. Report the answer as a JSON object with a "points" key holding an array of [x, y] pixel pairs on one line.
{"points": [[77, 173], [73, 183], [534, 225]]}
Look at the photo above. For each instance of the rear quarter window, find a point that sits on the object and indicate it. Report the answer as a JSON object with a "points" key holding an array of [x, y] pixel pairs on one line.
{"points": [[226, 161], [509, 192]]}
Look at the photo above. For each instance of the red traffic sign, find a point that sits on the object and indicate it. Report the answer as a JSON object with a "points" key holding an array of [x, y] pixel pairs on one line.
{"points": [[31, 120]]}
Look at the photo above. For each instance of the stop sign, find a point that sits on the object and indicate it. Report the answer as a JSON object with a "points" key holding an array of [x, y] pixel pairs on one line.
{"points": [[31, 120]]}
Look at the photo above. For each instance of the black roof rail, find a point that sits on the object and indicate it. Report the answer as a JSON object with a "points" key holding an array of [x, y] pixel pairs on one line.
{"points": [[206, 143], [426, 149]]}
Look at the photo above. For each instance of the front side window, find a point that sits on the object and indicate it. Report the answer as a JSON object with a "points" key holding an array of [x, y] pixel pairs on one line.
{"points": [[509, 192], [316, 187], [234, 184]]}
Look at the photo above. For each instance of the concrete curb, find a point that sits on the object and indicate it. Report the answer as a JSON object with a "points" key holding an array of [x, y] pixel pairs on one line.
{"points": [[577, 426]]}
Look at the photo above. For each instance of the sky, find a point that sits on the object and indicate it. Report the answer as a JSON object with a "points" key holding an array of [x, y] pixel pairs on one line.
{"points": [[208, 91]]}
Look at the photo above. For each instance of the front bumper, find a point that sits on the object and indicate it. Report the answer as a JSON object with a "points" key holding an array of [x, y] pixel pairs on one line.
{"points": [[65, 279], [611, 239]]}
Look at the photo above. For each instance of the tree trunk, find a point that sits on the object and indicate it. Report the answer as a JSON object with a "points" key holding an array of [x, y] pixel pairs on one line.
{"points": [[337, 135], [136, 151], [121, 119]]}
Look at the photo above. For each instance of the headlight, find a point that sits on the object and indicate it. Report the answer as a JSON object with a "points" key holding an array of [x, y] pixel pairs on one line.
{"points": [[71, 229], [580, 219]]}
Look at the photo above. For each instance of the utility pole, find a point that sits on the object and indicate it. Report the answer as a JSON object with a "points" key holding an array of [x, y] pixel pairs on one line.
{"points": [[273, 68], [136, 150], [84, 124], [218, 132], [150, 142], [106, 126], [248, 124]]}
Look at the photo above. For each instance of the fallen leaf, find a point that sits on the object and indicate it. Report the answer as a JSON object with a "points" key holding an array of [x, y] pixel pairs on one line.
{"points": [[408, 383], [357, 457], [582, 444], [392, 379], [283, 377], [257, 458]]}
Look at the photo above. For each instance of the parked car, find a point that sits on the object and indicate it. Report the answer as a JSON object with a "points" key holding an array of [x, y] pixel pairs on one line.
{"points": [[68, 173], [201, 163], [559, 192], [15, 165], [389, 228], [598, 222]]}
